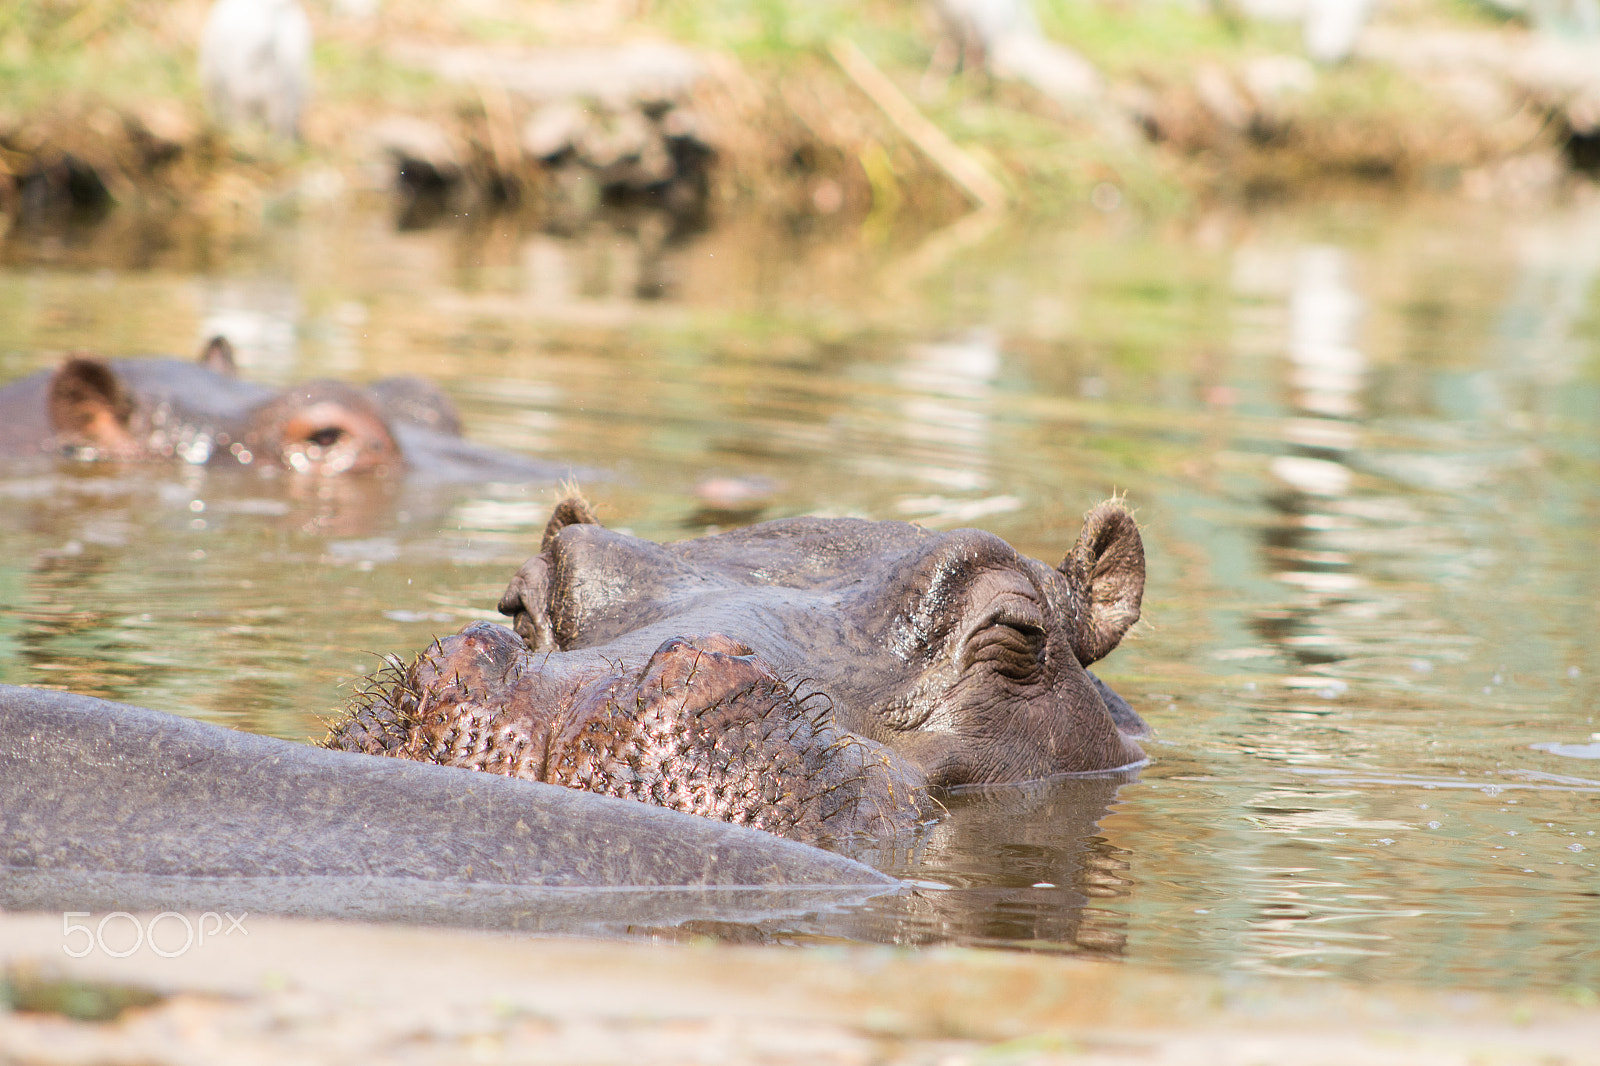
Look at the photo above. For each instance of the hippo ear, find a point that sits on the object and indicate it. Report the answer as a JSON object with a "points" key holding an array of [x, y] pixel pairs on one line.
{"points": [[1105, 571], [526, 601], [90, 406], [217, 356], [573, 510]]}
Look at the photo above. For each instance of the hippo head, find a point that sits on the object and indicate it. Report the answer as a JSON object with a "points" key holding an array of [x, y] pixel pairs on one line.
{"points": [[136, 409], [815, 677], [321, 427], [951, 649]]}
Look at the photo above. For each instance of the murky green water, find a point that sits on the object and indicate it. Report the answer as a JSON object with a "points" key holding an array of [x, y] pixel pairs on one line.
{"points": [[1364, 442]]}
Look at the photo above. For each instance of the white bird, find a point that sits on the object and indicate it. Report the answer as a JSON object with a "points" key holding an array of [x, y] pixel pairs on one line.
{"points": [[1004, 37], [255, 63], [1331, 27]]}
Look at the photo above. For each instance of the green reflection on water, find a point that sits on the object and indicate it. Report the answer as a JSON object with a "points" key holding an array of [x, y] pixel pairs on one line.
{"points": [[1363, 441]]}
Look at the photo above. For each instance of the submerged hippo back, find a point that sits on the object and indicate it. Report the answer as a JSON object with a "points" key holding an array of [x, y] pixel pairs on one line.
{"points": [[102, 803]]}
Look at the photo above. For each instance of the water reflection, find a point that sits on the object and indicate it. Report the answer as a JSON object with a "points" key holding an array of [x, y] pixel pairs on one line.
{"points": [[1363, 445], [261, 317], [1335, 538], [1025, 866], [951, 400], [1326, 377], [1374, 514], [944, 414], [1338, 622], [236, 599]]}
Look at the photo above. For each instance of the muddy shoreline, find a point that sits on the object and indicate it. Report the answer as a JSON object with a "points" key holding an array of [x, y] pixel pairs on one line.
{"points": [[339, 993]]}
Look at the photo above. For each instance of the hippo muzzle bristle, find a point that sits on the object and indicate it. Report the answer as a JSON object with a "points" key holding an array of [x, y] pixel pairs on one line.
{"points": [[696, 730]]}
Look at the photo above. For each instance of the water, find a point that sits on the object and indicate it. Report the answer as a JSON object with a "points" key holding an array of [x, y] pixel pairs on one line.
{"points": [[1363, 441]]}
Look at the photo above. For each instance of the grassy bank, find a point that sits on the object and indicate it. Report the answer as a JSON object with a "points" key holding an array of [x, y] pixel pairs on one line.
{"points": [[1198, 103]]}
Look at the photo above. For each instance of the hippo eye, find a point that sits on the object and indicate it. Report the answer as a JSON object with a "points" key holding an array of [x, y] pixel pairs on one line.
{"points": [[326, 437], [1009, 641]]}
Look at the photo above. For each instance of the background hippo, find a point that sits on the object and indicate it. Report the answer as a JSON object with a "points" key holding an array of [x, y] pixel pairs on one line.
{"points": [[921, 661], [201, 412]]}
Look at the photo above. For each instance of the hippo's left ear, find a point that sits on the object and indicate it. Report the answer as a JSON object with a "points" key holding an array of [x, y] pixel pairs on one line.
{"points": [[1105, 570], [573, 510], [89, 405]]}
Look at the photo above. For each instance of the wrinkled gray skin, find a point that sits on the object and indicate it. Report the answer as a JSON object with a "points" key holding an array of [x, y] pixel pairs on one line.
{"points": [[107, 807], [139, 409], [940, 660]]}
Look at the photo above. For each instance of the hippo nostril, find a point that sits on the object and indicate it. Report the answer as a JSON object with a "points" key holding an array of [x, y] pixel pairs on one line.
{"points": [[672, 644], [491, 634], [708, 643], [727, 645], [485, 644]]}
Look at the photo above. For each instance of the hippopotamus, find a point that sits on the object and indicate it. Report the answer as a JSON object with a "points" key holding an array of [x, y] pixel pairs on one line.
{"points": [[110, 807], [202, 413], [821, 678]]}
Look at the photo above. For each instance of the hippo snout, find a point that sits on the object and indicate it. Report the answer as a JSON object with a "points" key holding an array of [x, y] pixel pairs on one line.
{"points": [[703, 725]]}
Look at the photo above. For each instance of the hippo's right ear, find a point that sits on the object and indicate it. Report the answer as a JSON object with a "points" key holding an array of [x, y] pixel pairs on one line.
{"points": [[1105, 571], [527, 599], [89, 406], [217, 356]]}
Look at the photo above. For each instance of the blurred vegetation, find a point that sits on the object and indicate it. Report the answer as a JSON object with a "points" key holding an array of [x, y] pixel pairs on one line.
{"points": [[105, 49], [71, 56], [25, 990]]}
